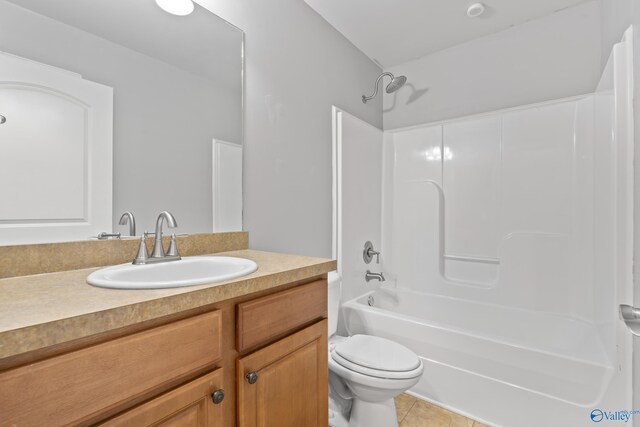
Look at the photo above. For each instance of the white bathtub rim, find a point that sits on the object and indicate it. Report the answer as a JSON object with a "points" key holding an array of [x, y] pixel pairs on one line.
{"points": [[353, 303], [593, 404], [399, 288], [356, 305]]}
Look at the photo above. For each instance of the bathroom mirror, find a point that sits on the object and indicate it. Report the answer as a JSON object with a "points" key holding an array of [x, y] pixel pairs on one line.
{"points": [[177, 95]]}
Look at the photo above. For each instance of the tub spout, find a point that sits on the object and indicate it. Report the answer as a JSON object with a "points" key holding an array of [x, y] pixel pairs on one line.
{"points": [[371, 276]]}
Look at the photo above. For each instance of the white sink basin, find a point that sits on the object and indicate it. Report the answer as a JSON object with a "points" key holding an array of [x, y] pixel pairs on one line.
{"points": [[189, 271]]}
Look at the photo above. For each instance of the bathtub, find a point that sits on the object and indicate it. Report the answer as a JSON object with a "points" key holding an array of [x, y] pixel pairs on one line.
{"points": [[500, 365]]}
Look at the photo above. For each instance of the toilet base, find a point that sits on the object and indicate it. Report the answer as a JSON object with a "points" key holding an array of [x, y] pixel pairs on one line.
{"points": [[373, 414]]}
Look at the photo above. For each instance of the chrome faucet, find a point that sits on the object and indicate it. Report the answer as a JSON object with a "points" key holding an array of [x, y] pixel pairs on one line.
{"points": [[128, 217], [158, 250], [158, 254], [371, 276]]}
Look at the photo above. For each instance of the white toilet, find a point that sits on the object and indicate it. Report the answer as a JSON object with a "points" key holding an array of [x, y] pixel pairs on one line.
{"points": [[366, 371]]}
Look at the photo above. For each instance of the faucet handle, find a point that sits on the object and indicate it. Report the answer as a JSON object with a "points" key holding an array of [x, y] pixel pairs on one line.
{"points": [[376, 253], [173, 247], [143, 254]]}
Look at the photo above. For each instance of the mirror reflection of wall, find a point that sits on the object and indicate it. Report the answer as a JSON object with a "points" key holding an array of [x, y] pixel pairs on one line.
{"points": [[177, 87]]}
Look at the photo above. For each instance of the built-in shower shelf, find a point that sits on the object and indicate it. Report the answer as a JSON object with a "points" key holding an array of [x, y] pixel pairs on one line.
{"points": [[472, 259], [470, 270]]}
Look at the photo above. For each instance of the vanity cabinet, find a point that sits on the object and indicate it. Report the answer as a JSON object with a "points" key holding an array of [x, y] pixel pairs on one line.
{"points": [[175, 371]]}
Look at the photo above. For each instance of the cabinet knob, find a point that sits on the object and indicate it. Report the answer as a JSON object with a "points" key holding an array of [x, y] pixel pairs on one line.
{"points": [[217, 396], [252, 377]]}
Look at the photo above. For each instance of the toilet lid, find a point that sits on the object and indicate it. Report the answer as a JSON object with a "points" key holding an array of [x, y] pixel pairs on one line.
{"points": [[377, 353]]}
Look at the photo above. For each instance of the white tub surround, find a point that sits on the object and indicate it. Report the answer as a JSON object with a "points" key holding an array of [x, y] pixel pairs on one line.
{"points": [[507, 249]]}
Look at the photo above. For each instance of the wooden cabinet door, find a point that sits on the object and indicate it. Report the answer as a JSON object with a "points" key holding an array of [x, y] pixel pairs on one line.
{"points": [[190, 405], [289, 388]]}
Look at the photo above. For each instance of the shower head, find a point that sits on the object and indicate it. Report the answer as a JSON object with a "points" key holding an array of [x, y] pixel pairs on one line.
{"points": [[395, 84]]}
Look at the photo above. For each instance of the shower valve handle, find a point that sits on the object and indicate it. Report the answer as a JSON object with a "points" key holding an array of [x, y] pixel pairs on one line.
{"points": [[369, 252]]}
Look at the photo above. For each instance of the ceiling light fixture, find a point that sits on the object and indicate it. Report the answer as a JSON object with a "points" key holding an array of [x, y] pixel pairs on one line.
{"points": [[475, 10], [176, 7]]}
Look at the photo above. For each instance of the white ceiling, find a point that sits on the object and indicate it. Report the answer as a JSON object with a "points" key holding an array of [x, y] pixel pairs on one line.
{"points": [[199, 43], [395, 31]]}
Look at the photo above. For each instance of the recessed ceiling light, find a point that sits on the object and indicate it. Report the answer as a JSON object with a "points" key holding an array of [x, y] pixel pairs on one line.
{"points": [[176, 7], [475, 10]]}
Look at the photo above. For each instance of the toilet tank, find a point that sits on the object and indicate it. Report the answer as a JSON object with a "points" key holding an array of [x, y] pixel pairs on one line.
{"points": [[333, 301]]}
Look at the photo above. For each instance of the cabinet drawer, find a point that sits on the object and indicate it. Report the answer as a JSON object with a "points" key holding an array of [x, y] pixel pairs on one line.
{"points": [[78, 386], [274, 315]]}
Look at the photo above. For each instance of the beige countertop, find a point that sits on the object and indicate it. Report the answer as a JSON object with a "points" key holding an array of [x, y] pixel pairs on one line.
{"points": [[47, 309]]}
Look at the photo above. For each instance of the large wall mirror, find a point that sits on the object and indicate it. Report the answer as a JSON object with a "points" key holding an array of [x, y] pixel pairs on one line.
{"points": [[112, 106]]}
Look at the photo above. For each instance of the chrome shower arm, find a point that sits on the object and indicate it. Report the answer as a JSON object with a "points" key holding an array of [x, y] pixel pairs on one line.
{"points": [[367, 98]]}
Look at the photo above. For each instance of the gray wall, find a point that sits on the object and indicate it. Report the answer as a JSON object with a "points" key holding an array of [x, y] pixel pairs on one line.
{"points": [[296, 66], [162, 138], [547, 58]]}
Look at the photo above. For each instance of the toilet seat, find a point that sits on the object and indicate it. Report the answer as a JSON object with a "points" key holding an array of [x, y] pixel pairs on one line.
{"points": [[376, 357], [380, 383]]}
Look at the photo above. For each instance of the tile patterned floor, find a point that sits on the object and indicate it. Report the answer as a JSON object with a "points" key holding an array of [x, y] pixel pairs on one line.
{"points": [[414, 412]]}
